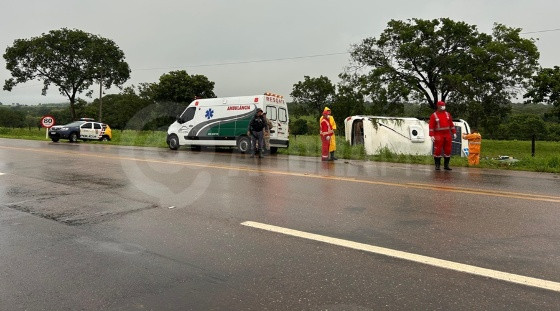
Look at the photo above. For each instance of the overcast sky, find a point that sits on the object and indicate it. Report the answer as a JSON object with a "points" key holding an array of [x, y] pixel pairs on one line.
{"points": [[249, 47]]}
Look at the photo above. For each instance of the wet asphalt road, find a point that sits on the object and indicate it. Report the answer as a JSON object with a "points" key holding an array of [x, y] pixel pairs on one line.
{"points": [[90, 226]]}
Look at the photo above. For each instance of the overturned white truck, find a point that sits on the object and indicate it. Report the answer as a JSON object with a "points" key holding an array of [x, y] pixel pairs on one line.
{"points": [[399, 135]]}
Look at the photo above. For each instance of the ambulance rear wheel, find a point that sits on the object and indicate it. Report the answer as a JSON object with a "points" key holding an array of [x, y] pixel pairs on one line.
{"points": [[244, 144], [173, 142], [273, 150]]}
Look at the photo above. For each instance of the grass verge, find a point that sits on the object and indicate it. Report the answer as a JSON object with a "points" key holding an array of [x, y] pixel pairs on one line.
{"points": [[546, 159]]}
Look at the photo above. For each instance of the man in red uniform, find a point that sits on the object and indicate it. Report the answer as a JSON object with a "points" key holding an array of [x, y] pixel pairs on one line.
{"points": [[326, 133], [441, 127]]}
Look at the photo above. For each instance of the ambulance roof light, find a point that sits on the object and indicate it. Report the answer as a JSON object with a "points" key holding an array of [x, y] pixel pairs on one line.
{"points": [[273, 95]]}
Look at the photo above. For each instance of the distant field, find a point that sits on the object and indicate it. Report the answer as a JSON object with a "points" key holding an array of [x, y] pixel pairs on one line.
{"points": [[547, 154]]}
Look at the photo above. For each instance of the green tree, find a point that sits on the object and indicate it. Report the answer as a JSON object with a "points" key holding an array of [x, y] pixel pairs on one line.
{"points": [[545, 88], [313, 94], [72, 60], [299, 127], [31, 121], [178, 87], [10, 117], [553, 131], [119, 109], [523, 127], [174, 91], [359, 94], [442, 59]]}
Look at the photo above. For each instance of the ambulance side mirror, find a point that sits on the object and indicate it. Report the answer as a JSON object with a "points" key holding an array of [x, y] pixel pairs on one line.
{"points": [[180, 120]]}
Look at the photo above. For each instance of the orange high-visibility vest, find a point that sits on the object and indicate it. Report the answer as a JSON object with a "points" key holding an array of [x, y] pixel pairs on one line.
{"points": [[474, 142]]}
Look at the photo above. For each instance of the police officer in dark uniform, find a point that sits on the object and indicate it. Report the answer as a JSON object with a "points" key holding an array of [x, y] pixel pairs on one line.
{"points": [[256, 131]]}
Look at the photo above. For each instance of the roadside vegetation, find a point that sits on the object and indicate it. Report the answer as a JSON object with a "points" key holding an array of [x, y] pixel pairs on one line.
{"points": [[402, 72], [546, 159]]}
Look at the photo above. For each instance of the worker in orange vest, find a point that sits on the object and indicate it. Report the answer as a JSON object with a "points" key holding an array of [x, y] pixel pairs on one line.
{"points": [[326, 134], [332, 146], [474, 147]]}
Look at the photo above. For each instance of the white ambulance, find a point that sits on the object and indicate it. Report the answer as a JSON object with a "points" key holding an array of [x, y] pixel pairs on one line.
{"points": [[225, 121]]}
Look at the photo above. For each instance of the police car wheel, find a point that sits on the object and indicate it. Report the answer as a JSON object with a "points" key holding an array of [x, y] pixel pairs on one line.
{"points": [[173, 142], [243, 144], [73, 137]]}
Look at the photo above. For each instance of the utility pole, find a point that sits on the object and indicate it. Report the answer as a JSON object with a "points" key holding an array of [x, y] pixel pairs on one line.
{"points": [[100, 96]]}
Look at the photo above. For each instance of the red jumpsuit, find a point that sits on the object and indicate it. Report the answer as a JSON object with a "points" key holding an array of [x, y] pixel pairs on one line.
{"points": [[441, 127], [326, 133]]}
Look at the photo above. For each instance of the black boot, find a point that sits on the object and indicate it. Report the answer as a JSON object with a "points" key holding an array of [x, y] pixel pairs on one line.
{"points": [[446, 163], [437, 161], [332, 156]]}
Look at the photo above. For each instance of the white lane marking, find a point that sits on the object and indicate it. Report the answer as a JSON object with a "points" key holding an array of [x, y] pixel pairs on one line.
{"points": [[504, 276], [2, 174]]}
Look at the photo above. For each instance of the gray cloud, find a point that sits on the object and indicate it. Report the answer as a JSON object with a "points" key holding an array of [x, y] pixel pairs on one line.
{"points": [[202, 37]]}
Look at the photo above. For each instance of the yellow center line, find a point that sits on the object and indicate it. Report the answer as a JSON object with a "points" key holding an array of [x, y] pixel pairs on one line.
{"points": [[487, 191], [432, 187]]}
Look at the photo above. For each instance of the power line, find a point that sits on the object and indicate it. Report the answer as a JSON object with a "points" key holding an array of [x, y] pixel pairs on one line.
{"points": [[540, 31], [292, 58], [250, 61]]}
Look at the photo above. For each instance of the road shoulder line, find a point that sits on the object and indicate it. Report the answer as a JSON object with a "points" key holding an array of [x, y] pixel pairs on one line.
{"points": [[446, 264]]}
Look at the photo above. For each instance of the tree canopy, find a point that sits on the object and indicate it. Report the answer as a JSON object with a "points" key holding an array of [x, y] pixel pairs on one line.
{"points": [[120, 109], [442, 59], [174, 91], [545, 88], [179, 87], [70, 59], [313, 94]]}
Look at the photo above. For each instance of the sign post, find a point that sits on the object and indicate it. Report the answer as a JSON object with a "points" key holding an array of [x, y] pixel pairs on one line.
{"points": [[47, 122]]}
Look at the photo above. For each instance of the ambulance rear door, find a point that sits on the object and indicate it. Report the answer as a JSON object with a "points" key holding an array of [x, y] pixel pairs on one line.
{"points": [[272, 115]]}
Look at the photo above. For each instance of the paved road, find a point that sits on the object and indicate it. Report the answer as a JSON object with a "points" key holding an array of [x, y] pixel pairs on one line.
{"points": [[91, 226]]}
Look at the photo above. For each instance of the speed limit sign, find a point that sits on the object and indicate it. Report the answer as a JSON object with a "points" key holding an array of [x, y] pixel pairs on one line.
{"points": [[47, 121]]}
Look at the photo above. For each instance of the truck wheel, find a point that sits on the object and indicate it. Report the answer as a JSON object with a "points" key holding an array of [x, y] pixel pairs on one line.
{"points": [[273, 150], [173, 142], [73, 137], [55, 139], [243, 144]]}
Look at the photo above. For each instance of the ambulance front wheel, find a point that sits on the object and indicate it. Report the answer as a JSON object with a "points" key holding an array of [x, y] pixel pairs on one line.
{"points": [[173, 142], [243, 144]]}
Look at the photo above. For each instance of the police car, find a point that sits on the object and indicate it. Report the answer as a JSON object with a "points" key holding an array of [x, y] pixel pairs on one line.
{"points": [[85, 129]]}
